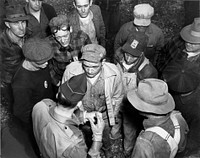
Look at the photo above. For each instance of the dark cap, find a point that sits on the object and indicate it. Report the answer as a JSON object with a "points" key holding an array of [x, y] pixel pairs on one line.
{"points": [[37, 50], [75, 88], [15, 13], [181, 76], [136, 44]]}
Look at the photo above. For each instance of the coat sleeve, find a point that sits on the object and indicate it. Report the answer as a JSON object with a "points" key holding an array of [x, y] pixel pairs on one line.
{"points": [[121, 37]]}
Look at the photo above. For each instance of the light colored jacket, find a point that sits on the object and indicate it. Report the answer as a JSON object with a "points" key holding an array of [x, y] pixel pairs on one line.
{"points": [[113, 85]]}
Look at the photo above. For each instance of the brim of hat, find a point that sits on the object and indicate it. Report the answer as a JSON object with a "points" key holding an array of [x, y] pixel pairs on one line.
{"points": [[24, 18], [128, 49], [142, 22], [90, 58], [46, 59], [140, 105], [186, 35]]}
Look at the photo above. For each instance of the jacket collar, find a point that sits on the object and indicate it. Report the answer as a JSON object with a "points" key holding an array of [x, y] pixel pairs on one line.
{"points": [[61, 119]]}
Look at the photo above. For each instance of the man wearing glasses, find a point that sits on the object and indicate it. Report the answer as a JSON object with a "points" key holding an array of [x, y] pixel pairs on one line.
{"points": [[40, 14], [88, 18], [66, 46]]}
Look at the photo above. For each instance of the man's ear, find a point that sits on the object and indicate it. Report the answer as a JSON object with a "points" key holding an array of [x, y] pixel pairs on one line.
{"points": [[70, 30], [91, 1], [74, 4], [7, 24]]}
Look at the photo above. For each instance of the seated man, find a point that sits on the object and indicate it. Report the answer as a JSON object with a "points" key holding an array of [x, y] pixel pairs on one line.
{"points": [[56, 125], [164, 129], [66, 45]]}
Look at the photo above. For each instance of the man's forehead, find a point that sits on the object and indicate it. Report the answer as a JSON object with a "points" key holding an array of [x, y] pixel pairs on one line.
{"points": [[82, 2]]}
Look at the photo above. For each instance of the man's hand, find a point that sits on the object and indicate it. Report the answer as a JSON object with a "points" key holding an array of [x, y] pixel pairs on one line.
{"points": [[90, 115], [98, 128]]}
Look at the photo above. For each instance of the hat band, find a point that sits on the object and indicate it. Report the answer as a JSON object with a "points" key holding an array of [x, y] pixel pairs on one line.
{"points": [[194, 33], [152, 102], [15, 15]]}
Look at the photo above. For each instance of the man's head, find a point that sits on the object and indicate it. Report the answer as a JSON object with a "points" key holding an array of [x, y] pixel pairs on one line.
{"points": [[38, 52], [134, 48], [34, 5], [92, 57], [142, 16], [15, 20], [61, 29], [72, 91], [191, 35], [82, 7], [152, 97]]}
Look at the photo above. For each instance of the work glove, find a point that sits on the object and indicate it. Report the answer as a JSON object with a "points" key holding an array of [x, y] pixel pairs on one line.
{"points": [[97, 129]]}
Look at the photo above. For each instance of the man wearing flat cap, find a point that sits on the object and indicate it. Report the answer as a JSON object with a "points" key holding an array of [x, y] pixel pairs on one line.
{"points": [[66, 45], [142, 22], [134, 66], [179, 66], [165, 130], [11, 42], [104, 89], [58, 124]]}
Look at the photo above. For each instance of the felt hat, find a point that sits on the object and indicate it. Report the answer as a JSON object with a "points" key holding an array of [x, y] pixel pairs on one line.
{"points": [[191, 33], [75, 88], [93, 53], [151, 96], [59, 22], [15, 13], [37, 50], [136, 44], [142, 14], [182, 76]]}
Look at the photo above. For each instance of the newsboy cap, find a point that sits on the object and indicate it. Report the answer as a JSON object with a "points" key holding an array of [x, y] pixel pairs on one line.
{"points": [[136, 44], [14, 13], [37, 50], [142, 14], [75, 88], [93, 53]]}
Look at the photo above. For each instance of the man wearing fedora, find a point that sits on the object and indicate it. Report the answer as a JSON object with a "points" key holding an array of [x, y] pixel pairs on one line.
{"points": [[11, 42], [134, 66], [165, 130], [142, 23], [179, 66]]}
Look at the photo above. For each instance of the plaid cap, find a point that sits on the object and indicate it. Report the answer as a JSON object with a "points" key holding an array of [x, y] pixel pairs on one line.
{"points": [[93, 53], [136, 44], [75, 88]]}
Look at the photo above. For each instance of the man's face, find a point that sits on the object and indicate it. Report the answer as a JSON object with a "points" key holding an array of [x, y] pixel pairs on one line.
{"points": [[142, 28], [35, 5], [91, 69], [192, 47], [83, 7], [17, 28], [39, 66], [63, 37], [129, 59]]}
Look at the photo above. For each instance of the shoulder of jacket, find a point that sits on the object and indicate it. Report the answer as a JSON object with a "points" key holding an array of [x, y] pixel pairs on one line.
{"points": [[74, 67], [156, 28], [112, 67], [95, 8]]}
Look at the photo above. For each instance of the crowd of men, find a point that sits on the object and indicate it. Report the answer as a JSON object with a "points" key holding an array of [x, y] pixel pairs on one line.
{"points": [[73, 102]]}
